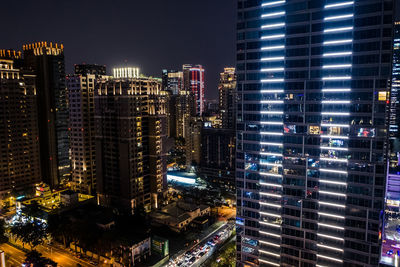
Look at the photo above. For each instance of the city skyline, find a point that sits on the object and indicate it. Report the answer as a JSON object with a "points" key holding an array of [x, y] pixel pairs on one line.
{"points": [[167, 30], [214, 133]]}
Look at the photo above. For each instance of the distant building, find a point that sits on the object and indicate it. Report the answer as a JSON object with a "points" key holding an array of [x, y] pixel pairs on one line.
{"points": [[193, 77], [227, 98], [19, 134], [85, 69], [185, 111], [46, 60], [217, 163], [193, 142], [172, 83], [130, 136], [81, 87], [211, 107]]}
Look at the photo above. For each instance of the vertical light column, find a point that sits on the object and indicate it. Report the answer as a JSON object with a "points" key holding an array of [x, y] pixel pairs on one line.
{"points": [[270, 127], [335, 124]]}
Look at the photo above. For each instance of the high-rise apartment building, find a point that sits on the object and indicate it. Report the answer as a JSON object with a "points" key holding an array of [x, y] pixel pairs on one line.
{"points": [[19, 133], [227, 98], [313, 83], [81, 87], [130, 137], [193, 78], [46, 60]]}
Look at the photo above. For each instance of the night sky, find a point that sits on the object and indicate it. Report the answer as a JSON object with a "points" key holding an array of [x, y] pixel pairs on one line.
{"points": [[150, 34]]}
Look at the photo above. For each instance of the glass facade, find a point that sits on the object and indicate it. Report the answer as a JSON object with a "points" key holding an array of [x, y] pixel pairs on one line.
{"points": [[313, 87]]}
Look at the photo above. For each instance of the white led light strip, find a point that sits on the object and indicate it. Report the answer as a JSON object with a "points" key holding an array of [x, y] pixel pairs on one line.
{"points": [[270, 214], [333, 159], [331, 226], [270, 26], [339, 4], [331, 193], [331, 204], [268, 262], [333, 171], [334, 136], [333, 148], [341, 29], [273, 3], [270, 195], [271, 154], [270, 224], [271, 174], [268, 243], [271, 101], [273, 14], [329, 258], [270, 205], [270, 164], [271, 185], [331, 237], [271, 122], [269, 253], [329, 247], [334, 125], [332, 182], [346, 16], [271, 133], [267, 233], [277, 47]]}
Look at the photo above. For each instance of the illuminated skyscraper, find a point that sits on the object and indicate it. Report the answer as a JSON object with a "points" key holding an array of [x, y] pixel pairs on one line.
{"points": [[193, 77], [19, 134], [311, 143], [227, 98], [130, 115], [47, 62]]}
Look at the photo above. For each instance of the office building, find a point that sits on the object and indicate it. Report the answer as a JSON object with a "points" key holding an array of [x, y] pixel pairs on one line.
{"points": [[46, 60], [227, 98], [19, 144], [193, 79], [84, 69], [217, 164], [130, 121], [313, 83]]}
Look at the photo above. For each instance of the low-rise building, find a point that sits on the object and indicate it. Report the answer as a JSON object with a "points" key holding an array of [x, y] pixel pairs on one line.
{"points": [[178, 215]]}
